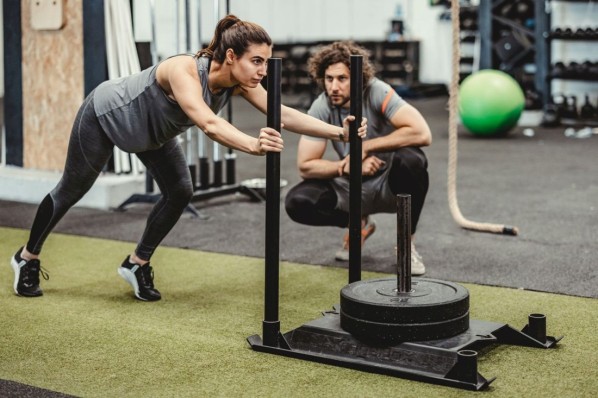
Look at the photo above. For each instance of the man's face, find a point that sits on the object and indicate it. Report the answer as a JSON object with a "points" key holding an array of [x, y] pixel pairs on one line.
{"points": [[337, 83]]}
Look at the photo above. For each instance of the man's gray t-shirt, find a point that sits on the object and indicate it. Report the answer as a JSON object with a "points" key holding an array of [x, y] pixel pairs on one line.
{"points": [[380, 102], [138, 116]]}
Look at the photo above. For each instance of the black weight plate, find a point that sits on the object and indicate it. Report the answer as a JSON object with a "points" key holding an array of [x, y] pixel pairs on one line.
{"points": [[385, 334], [430, 301]]}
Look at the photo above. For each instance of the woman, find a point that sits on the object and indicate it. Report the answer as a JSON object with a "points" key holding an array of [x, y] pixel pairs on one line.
{"points": [[142, 114]]}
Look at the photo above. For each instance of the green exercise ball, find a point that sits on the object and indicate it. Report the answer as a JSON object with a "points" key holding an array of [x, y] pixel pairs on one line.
{"points": [[490, 102]]}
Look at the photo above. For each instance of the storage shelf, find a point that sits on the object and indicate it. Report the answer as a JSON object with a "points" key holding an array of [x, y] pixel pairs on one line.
{"points": [[573, 77], [397, 61], [568, 38], [567, 34]]}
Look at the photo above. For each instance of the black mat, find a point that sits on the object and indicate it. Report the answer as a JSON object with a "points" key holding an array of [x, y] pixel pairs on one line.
{"points": [[11, 389], [546, 185]]}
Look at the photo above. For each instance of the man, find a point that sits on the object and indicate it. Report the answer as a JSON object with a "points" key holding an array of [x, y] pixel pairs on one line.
{"points": [[392, 161]]}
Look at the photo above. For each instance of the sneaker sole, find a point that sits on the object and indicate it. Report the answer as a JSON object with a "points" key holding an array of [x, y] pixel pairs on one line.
{"points": [[17, 270], [417, 267], [417, 272], [341, 256], [129, 276]]}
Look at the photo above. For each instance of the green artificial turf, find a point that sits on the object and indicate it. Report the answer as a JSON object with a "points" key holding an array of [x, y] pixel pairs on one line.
{"points": [[87, 336]]}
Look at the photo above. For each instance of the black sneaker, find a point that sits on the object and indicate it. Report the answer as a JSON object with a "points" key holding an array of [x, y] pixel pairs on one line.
{"points": [[141, 278], [27, 275]]}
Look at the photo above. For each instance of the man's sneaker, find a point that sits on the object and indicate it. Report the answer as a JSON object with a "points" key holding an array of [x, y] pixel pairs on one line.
{"points": [[367, 229], [141, 278], [27, 275], [417, 264]]}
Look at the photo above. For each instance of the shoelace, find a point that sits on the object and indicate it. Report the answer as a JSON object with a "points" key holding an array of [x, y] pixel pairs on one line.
{"points": [[147, 276], [44, 272], [32, 271]]}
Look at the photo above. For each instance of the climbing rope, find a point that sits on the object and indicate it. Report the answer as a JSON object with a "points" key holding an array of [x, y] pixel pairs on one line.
{"points": [[452, 157]]}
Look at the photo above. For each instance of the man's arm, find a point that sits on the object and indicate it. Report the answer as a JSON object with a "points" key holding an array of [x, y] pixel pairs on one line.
{"points": [[411, 129], [310, 162]]}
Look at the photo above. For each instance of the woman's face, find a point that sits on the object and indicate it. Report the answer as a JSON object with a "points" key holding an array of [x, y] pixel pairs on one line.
{"points": [[250, 68]]}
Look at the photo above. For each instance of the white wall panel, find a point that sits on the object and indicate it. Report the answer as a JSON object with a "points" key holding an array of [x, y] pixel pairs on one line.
{"points": [[1, 56], [309, 20]]}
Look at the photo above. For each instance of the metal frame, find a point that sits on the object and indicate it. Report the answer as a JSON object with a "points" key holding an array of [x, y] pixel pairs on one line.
{"points": [[450, 362], [541, 45]]}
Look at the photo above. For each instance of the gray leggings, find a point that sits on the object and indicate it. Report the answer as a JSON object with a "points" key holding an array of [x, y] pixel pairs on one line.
{"points": [[88, 152]]}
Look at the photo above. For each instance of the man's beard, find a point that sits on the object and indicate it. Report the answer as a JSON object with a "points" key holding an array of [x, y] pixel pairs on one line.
{"points": [[344, 101]]}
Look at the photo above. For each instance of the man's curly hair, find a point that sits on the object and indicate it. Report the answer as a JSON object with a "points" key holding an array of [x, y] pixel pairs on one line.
{"points": [[334, 53]]}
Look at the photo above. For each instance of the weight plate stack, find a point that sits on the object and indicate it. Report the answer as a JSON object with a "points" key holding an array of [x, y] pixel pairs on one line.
{"points": [[375, 312]]}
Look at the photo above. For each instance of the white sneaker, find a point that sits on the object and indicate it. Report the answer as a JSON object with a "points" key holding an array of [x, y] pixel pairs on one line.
{"points": [[417, 264]]}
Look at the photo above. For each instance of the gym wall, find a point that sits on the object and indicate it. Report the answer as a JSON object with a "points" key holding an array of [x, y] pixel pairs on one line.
{"points": [[52, 75], [309, 20], [1, 55]]}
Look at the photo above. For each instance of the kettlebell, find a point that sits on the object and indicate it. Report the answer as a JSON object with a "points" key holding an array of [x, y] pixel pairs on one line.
{"points": [[587, 111]]}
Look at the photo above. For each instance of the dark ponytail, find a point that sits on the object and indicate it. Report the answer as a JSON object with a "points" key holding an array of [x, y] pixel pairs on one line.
{"points": [[233, 33]]}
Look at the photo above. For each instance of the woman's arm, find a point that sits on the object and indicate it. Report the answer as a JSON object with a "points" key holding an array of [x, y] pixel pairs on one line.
{"points": [[178, 77], [302, 123]]}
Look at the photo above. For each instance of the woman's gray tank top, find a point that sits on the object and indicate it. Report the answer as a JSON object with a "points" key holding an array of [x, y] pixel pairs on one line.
{"points": [[138, 116]]}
